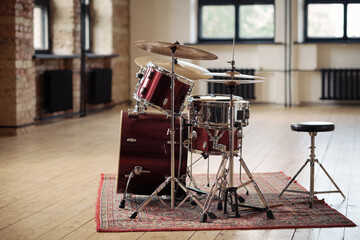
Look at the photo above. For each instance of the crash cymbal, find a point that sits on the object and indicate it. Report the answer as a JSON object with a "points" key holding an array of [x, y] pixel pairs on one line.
{"points": [[233, 82], [234, 74], [164, 48], [182, 68]]}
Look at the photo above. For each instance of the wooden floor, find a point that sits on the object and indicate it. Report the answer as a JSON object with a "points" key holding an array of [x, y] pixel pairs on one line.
{"points": [[49, 179]]}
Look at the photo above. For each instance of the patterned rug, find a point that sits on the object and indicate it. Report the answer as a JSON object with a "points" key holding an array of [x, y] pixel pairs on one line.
{"points": [[290, 211]]}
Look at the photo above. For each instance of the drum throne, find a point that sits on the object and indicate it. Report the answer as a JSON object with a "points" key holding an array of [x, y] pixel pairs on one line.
{"points": [[312, 128]]}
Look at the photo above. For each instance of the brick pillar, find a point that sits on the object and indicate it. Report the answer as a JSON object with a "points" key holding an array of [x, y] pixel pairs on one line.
{"points": [[121, 46], [17, 79]]}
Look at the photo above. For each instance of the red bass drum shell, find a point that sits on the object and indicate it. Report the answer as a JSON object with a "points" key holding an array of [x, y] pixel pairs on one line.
{"points": [[144, 142]]}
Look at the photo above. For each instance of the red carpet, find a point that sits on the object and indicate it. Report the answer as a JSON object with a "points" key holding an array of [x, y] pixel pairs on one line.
{"points": [[294, 211]]}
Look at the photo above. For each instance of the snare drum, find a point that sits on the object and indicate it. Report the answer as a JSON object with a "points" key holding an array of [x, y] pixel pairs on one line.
{"points": [[154, 89], [201, 141], [213, 111]]}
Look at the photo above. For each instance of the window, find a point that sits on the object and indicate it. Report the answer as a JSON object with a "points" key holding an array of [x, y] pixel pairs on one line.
{"points": [[86, 25], [41, 26], [332, 21], [247, 20]]}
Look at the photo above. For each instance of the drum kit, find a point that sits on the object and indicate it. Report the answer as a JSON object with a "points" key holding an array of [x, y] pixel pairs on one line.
{"points": [[213, 125]]}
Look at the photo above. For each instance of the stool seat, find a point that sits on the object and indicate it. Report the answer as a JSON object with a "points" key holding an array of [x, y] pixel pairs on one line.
{"points": [[313, 127]]}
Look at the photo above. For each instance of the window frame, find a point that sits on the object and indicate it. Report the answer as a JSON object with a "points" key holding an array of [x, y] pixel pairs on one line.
{"points": [[344, 38], [236, 4], [44, 4]]}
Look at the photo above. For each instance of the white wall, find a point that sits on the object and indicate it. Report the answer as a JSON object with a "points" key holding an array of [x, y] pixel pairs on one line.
{"points": [[171, 20]]}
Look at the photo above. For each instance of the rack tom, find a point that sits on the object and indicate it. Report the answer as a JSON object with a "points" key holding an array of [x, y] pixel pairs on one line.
{"points": [[154, 88]]}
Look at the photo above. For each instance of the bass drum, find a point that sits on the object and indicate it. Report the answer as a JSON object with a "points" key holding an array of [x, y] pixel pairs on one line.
{"points": [[144, 142]]}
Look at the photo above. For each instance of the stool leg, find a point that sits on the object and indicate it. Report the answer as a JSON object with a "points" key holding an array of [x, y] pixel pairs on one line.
{"points": [[291, 181], [333, 182], [311, 193], [312, 167]]}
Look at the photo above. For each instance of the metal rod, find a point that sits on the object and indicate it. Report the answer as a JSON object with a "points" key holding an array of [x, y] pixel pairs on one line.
{"points": [[231, 143], [82, 62], [172, 132]]}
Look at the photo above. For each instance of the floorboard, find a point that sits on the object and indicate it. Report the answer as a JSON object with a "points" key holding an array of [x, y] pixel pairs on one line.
{"points": [[49, 178]]}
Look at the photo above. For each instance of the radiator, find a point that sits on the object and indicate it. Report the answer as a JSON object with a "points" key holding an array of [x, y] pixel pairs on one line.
{"points": [[340, 84], [100, 83], [246, 91], [58, 90]]}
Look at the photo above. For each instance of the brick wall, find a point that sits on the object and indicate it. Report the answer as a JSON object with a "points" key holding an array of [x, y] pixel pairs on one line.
{"points": [[17, 82], [21, 76]]}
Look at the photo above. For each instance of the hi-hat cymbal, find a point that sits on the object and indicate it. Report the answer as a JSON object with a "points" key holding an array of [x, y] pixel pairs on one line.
{"points": [[164, 48], [234, 74], [182, 68], [233, 82]]}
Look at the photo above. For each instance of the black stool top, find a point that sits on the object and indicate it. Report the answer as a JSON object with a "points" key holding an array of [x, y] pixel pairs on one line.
{"points": [[313, 127]]}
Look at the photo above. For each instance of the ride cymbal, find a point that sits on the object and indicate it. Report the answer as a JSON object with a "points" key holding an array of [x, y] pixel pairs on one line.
{"points": [[233, 82], [181, 51], [182, 68], [234, 74]]}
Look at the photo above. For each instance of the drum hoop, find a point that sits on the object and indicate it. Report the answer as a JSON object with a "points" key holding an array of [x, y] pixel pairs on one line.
{"points": [[146, 102], [165, 71], [209, 103], [198, 98]]}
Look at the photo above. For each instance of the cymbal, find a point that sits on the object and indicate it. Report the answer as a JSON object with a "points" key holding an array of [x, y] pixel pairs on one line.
{"points": [[233, 82], [182, 68], [234, 74], [164, 48]]}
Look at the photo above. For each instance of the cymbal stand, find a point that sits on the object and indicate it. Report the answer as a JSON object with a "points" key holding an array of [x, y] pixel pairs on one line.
{"points": [[269, 213], [172, 179], [221, 171]]}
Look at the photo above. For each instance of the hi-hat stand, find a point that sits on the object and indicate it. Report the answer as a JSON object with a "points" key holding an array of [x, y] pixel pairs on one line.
{"points": [[171, 179]]}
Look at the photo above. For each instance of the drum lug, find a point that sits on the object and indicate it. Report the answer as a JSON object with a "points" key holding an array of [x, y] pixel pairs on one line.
{"points": [[139, 75], [165, 101], [133, 114], [193, 135], [144, 91]]}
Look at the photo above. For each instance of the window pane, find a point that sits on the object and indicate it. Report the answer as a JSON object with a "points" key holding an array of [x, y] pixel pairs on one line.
{"points": [[325, 20], [87, 32], [353, 20], [218, 21], [256, 21], [38, 41], [40, 28]]}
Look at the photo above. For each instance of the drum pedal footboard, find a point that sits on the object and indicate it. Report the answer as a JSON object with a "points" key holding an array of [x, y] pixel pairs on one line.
{"points": [[198, 191]]}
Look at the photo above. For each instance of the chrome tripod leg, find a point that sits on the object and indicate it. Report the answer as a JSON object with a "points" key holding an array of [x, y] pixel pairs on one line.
{"points": [[293, 179], [189, 172], [269, 213], [217, 183], [332, 180], [240, 155], [148, 199]]}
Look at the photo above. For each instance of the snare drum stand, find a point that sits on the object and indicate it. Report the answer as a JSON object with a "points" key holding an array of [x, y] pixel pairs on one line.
{"points": [[172, 179]]}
